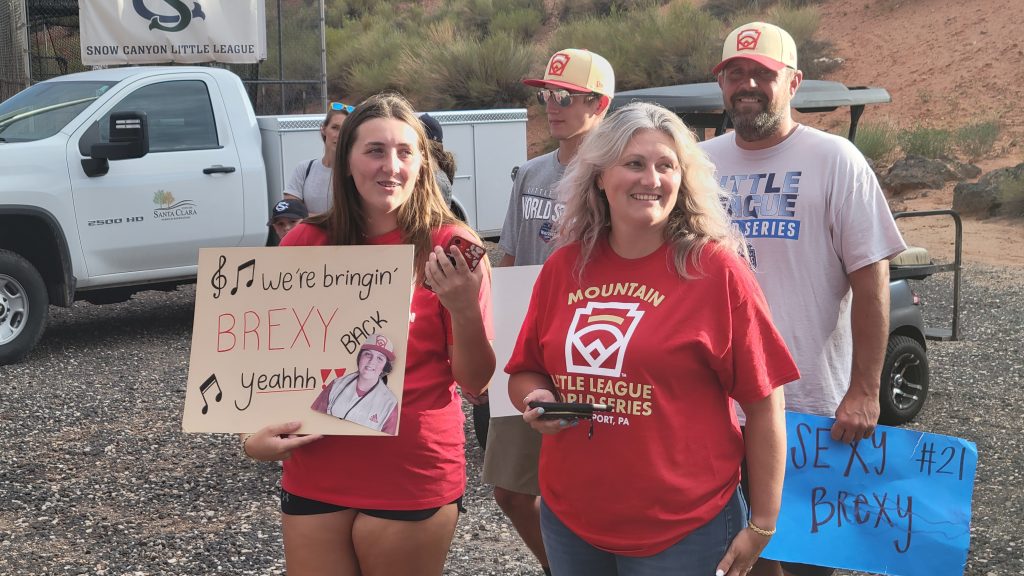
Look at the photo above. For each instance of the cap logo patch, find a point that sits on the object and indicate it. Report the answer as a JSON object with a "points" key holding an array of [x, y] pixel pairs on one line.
{"points": [[382, 341], [558, 63], [281, 206], [747, 39]]}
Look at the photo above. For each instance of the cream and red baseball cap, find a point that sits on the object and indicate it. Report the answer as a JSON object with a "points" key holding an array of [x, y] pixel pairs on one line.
{"points": [[579, 70], [379, 343], [766, 44]]}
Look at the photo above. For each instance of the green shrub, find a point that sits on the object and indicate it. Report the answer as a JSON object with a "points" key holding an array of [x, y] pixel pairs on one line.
{"points": [[520, 23], [581, 9], [727, 9], [925, 142], [802, 3], [801, 22], [448, 71], [475, 16], [875, 141], [976, 140], [680, 45], [363, 56]]}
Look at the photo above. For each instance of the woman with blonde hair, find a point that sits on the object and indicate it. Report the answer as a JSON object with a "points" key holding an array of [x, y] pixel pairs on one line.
{"points": [[650, 308], [356, 505]]}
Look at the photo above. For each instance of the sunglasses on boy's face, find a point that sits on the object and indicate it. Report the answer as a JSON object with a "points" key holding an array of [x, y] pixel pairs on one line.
{"points": [[562, 97], [339, 107]]}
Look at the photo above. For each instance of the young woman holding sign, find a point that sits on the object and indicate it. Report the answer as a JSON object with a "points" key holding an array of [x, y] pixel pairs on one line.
{"points": [[647, 308], [374, 505]]}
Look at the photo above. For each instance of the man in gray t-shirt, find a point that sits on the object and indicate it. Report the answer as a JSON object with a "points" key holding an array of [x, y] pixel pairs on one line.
{"points": [[311, 180], [576, 90]]}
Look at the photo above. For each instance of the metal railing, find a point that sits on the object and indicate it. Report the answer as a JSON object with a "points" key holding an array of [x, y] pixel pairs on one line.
{"points": [[924, 270]]}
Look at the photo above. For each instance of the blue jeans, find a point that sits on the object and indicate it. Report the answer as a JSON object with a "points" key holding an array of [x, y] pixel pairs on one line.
{"points": [[698, 554]]}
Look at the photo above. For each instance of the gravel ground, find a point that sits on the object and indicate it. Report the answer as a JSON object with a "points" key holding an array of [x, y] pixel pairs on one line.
{"points": [[96, 476]]}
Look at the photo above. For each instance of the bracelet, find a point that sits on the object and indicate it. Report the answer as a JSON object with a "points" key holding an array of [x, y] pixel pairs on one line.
{"points": [[760, 531], [245, 439]]}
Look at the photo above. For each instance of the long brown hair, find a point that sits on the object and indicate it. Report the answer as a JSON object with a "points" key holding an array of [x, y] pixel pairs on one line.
{"points": [[424, 212]]}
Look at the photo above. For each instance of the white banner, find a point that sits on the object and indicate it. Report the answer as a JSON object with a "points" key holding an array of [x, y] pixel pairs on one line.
{"points": [[187, 31], [511, 289]]}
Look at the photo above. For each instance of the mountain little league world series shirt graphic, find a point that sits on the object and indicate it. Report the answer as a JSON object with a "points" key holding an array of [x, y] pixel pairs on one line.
{"points": [[764, 205], [596, 346]]}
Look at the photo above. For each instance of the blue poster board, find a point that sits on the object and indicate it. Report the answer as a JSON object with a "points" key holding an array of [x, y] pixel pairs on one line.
{"points": [[897, 503]]}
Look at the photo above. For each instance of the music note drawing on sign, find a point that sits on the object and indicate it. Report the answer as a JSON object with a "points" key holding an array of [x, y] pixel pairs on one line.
{"points": [[205, 386], [219, 281], [251, 264]]}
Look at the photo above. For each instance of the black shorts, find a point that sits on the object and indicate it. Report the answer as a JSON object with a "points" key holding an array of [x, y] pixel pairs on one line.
{"points": [[299, 506], [790, 567]]}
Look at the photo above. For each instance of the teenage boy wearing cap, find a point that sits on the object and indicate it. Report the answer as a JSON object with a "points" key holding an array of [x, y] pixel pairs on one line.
{"points": [[819, 231], [576, 90], [285, 215], [311, 179]]}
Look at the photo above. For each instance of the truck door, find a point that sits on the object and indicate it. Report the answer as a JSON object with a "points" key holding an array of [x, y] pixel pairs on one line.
{"points": [[156, 212]]}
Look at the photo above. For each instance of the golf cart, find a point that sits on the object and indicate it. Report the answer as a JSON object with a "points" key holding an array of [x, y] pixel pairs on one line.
{"points": [[904, 382]]}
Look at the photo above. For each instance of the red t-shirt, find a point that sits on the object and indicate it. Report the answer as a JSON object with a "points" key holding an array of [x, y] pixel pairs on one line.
{"points": [[424, 466], [667, 354]]}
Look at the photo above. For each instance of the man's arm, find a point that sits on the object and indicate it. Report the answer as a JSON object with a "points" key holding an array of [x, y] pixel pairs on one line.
{"points": [[857, 414], [507, 260]]}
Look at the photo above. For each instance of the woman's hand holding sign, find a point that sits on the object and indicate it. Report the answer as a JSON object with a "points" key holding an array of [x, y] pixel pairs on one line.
{"points": [[276, 442]]}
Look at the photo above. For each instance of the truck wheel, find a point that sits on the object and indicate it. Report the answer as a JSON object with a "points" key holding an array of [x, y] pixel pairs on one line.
{"points": [[24, 304], [904, 381]]}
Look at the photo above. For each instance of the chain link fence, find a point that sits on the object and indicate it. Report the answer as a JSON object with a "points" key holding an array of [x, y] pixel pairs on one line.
{"points": [[13, 48], [39, 39]]}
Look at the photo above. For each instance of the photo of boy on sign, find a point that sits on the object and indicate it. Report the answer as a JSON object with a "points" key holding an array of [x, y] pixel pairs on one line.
{"points": [[364, 397]]}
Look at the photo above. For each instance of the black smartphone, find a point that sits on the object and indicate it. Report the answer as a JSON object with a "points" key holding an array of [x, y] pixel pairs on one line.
{"points": [[559, 410]]}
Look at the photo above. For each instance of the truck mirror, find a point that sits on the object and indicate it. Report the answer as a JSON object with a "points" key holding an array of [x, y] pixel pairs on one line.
{"points": [[129, 137]]}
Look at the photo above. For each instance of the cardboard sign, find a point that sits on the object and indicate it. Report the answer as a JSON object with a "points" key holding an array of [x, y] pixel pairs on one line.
{"points": [[897, 503], [511, 288], [277, 338]]}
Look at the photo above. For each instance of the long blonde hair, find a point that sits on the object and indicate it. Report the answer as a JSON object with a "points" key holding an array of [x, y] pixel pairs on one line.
{"points": [[424, 211], [699, 215]]}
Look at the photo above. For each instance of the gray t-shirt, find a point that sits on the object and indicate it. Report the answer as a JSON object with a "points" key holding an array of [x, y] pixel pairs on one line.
{"points": [[812, 212], [314, 189], [533, 211]]}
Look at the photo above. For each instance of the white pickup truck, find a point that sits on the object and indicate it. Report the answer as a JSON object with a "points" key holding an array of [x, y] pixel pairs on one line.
{"points": [[97, 208]]}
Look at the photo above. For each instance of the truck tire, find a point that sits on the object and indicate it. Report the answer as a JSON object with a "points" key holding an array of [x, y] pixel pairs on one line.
{"points": [[904, 381], [24, 305]]}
